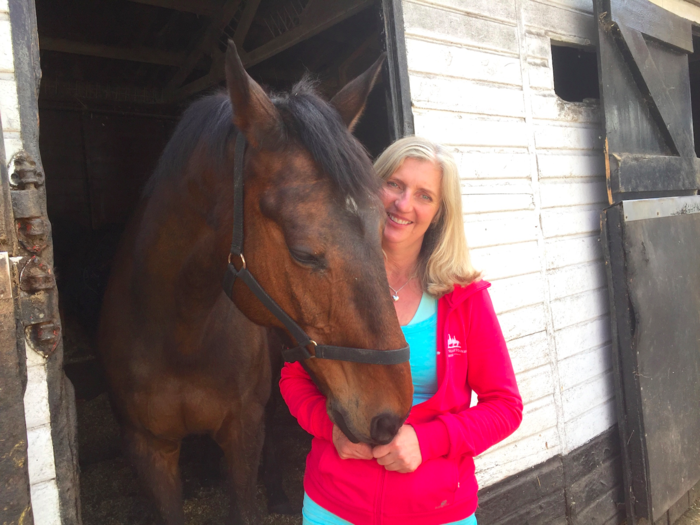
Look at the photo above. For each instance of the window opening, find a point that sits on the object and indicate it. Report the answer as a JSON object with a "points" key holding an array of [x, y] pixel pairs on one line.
{"points": [[575, 73]]}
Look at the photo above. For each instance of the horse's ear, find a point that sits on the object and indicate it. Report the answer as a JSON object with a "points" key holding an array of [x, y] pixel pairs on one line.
{"points": [[253, 111], [350, 101]]}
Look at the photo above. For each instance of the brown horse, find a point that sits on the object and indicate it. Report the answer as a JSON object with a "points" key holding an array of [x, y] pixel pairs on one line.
{"points": [[180, 357]]}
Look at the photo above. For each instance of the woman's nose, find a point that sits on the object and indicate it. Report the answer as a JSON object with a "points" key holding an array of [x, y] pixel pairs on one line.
{"points": [[402, 202]]}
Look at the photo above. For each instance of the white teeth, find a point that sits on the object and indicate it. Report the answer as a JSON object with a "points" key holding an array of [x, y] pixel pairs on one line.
{"points": [[397, 220]]}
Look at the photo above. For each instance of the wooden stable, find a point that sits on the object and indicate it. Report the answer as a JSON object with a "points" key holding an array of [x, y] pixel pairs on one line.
{"points": [[494, 80]]}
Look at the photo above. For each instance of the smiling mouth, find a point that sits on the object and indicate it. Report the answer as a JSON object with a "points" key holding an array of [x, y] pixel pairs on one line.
{"points": [[395, 219]]}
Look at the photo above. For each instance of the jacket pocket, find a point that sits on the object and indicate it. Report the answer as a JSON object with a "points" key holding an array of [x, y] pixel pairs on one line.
{"points": [[431, 487]]}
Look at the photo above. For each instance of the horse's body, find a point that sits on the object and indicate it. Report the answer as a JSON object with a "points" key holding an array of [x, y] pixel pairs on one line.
{"points": [[180, 357]]}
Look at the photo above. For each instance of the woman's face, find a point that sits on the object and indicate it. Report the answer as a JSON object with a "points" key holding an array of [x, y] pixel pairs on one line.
{"points": [[411, 197]]}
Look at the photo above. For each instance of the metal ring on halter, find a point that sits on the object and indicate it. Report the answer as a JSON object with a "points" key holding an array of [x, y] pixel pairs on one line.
{"points": [[312, 342], [242, 260]]}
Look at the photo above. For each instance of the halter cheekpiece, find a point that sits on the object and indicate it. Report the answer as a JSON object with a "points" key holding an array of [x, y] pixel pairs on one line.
{"points": [[304, 342]]}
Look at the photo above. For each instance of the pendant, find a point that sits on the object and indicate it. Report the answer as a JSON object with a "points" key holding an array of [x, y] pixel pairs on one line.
{"points": [[395, 296]]}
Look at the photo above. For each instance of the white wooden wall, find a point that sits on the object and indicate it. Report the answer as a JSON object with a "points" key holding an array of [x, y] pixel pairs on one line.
{"points": [[42, 470], [533, 187]]}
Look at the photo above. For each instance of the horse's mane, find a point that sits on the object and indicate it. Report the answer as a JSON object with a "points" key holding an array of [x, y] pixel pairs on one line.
{"points": [[306, 117]]}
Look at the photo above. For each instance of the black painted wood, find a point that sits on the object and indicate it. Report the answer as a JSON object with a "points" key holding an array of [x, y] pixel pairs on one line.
{"points": [[582, 487], [651, 20], [505, 501], [645, 89], [399, 95], [594, 481], [655, 282]]}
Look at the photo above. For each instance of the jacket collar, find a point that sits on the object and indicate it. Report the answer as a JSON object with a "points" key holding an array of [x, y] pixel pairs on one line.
{"points": [[461, 293]]}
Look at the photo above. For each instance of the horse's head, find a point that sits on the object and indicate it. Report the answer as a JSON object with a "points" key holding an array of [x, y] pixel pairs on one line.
{"points": [[312, 238]]}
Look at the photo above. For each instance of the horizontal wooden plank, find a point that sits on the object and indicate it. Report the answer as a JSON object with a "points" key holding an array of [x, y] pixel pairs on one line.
{"points": [[523, 322], [495, 466], [490, 164], [589, 425], [537, 44], [466, 96], [548, 106], [503, 9], [529, 352], [536, 383], [497, 202], [584, 366], [555, 193], [448, 26], [539, 74], [495, 186], [523, 490], [557, 222], [507, 261], [461, 62], [494, 229], [517, 292], [580, 398], [564, 166], [578, 308], [9, 105], [548, 136], [40, 454], [463, 130], [585, 6], [570, 25], [564, 252], [581, 337], [573, 280], [538, 416], [582, 461]]}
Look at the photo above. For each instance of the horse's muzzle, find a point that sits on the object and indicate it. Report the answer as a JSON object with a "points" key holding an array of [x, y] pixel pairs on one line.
{"points": [[384, 427]]}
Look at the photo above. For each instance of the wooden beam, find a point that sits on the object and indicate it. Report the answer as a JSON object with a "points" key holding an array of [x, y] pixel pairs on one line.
{"points": [[198, 7], [251, 7], [318, 16], [206, 44], [149, 56]]}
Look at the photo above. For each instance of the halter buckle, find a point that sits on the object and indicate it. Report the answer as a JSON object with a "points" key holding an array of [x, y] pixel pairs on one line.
{"points": [[243, 265]]}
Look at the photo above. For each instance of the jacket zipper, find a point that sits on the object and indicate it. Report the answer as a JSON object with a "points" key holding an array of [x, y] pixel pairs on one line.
{"points": [[379, 503]]}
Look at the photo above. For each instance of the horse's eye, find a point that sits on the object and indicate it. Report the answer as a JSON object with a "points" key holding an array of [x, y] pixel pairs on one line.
{"points": [[308, 259]]}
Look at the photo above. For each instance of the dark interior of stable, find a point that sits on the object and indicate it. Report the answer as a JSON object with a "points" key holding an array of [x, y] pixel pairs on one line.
{"points": [[116, 76]]}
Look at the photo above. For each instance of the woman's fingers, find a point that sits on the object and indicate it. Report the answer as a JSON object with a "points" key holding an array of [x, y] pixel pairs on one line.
{"points": [[402, 454], [349, 450]]}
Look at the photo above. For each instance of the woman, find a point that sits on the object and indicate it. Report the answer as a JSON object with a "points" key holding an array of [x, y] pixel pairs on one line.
{"points": [[425, 476]]}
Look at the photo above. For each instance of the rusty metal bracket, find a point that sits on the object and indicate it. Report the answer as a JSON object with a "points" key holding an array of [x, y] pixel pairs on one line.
{"points": [[43, 338]]}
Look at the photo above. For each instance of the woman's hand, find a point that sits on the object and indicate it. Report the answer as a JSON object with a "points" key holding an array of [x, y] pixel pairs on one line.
{"points": [[349, 450], [402, 454]]}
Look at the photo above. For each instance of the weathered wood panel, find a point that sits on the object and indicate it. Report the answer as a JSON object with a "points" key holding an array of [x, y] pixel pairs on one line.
{"points": [[533, 186]]}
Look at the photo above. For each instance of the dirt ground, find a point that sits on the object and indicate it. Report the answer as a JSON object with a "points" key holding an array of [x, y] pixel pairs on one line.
{"points": [[112, 495]]}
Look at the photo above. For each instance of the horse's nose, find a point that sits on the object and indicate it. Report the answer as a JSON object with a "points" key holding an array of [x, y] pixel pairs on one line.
{"points": [[384, 427]]}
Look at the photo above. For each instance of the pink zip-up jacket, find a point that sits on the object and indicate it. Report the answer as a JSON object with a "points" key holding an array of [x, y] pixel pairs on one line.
{"points": [[471, 356]]}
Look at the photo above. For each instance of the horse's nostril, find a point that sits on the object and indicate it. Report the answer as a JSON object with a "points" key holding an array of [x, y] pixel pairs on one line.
{"points": [[384, 428]]}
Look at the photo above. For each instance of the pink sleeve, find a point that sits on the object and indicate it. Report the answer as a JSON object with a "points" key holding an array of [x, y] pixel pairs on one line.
{"points": [[305, 402], [499, 410]]}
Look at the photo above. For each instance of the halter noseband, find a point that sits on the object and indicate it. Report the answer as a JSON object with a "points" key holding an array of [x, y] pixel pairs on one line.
{"points": [[301, 351]]}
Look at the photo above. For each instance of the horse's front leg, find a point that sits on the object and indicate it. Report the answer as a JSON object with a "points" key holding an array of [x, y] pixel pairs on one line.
{"points": [[156, 461], [241, 438]]}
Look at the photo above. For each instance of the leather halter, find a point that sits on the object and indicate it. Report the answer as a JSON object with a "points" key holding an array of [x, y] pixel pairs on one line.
{"points": [[304, 342]]}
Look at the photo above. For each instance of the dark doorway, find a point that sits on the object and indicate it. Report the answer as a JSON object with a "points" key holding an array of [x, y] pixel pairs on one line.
{"points": [[117, 75]]}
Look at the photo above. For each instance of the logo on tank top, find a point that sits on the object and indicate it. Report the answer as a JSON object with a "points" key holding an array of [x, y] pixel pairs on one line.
{"points": [[454, 346]]}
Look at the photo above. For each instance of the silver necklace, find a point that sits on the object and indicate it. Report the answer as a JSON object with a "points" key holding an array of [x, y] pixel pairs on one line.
{"points": [[395, 295]]}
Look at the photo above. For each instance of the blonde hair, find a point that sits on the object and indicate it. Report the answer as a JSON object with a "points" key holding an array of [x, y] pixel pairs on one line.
{"points": [[444, 256]]}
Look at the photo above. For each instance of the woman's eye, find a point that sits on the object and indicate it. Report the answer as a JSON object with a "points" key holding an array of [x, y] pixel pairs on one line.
{"points": [[392, 184], [426, 198]]}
